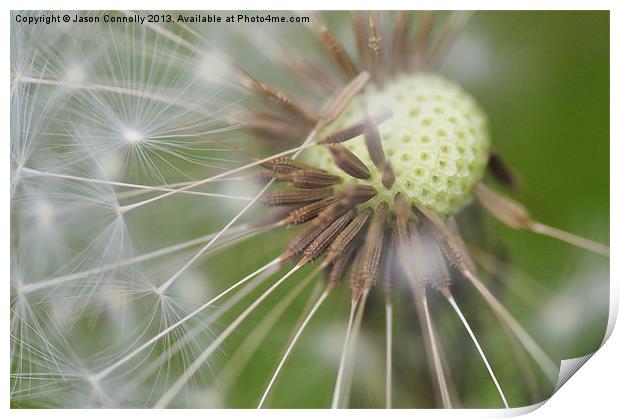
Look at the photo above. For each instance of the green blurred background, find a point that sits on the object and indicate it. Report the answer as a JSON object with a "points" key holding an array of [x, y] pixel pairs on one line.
{"points": [[543, 78]]}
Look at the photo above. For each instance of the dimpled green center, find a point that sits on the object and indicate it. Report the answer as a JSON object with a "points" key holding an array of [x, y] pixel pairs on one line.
{"points": [[437, 141]]}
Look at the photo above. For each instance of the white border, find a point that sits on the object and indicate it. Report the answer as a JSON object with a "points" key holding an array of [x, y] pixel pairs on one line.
{"points": [[594, 389]]}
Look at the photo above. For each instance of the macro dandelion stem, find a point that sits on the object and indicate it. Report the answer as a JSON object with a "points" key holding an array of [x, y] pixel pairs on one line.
{"points": [[170, 281], [446, 292], [195, 366], [434, 348], [542, 359], [239, 360], [130, 185], [570, 238], [240, 232], [389, 325], [290, 347], [344, 356]]}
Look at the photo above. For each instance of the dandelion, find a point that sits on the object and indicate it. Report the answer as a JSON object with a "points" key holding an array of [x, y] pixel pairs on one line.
{"points": [[358, 183]]}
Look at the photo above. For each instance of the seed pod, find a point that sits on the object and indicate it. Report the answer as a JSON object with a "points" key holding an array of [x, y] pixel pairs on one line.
{"points": [[348, 198], [272, 125], [308, 212], [323, 240], [402, 213], [428, 261], [340, 265], [334, 49], [311, 179], [366, 267], [296, 196], [347, 236], [336, 105], [354, 130], [399, 46], [281, 165], [358, 193], [301, 241], [333, 211], [372, 139], [504, 209], [359, 30], [349, 162], [454, 229], [263, 176], [281, 99], [376, 49], [344, 134], [450, 245], [501, 171], [388, 178]]}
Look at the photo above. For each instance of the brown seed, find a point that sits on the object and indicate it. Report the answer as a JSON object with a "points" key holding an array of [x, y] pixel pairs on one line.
{"points": [[354, 130], [447, 36], [308, 212], [349, 162], [282, 165], [348, 198], [301, 241], [335, 210], [456, 234], [282, 99], [372, 139], [428, 261], [336, 105], [367, 262], [344, 134], [504, 209], [341, 264], [501, 171], [263, 176], [335, 49], [402, 209], [422, 39], [516, 216], [347, 236], [311, 179], [356, 279], [403, 214], [296, 196], [311, 73], [272, 125], [451, 246], [323, 240], [358, 193], [376, 51], [401, 31], [388, 177], [359, 30]]}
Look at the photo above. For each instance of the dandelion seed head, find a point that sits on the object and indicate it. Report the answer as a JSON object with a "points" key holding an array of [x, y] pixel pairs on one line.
{"points": [[437, 141], [133, 136]]}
